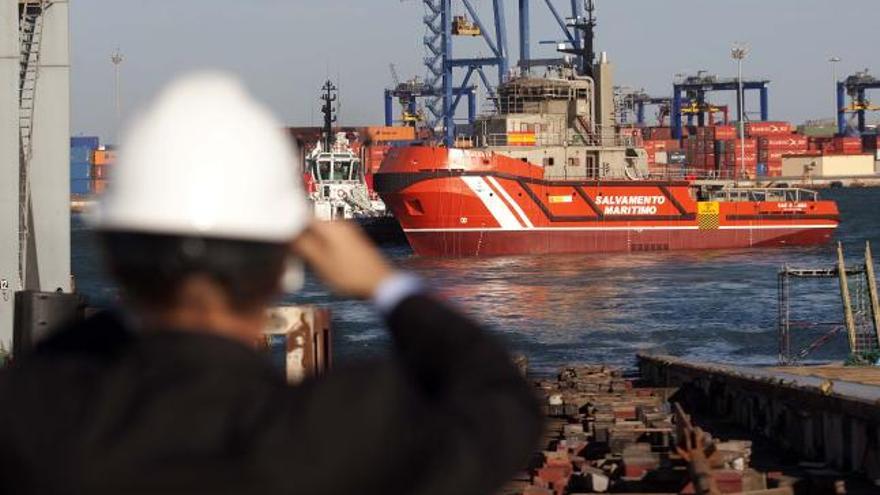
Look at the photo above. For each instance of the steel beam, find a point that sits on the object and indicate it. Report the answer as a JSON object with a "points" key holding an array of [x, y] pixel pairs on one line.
{"points": [[389, 108], [501, 39], [49, 246], [446, 21], [765, 104], [841, 107], [9, 167]]}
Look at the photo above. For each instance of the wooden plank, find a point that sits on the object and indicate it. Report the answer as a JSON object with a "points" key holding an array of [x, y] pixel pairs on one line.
{"points": [[872, 289], [847, 302]]}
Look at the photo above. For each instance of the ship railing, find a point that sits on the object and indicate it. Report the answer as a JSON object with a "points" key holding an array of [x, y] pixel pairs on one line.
{"points": [[788, 195], [527, 139], [521, 139]]}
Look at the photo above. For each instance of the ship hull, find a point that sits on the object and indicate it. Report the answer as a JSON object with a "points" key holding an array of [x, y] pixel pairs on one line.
{"points": [[555, 241], [476, 203]]}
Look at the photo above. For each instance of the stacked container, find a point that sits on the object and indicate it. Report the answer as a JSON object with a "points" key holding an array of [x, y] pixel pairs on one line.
{"points": [[103, 160], [772, 148], [731, 160], [871, 144], [81, 149], [658, 151]]}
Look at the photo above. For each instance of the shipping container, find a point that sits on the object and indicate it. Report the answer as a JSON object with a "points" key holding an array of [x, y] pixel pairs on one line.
{"points": [[81, 187], [80, 171], [81, 154], [104, 157], [757, 129], [784, 141], [101, 171], [99, 186], [845, 146], [90, 142], [677, 157], [390, 134], [871, 142]]}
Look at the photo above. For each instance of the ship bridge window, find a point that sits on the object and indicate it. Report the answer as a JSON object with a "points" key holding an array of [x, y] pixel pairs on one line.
{"points": [[323, 172], [548, 161], [342, 171]]}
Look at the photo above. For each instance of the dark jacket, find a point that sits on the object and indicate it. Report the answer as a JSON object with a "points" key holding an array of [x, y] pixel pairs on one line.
{"points": [[98, 409]]}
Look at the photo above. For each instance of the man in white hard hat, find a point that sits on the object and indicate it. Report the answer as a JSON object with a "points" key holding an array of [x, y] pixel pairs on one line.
{"points": [[203, 219]]}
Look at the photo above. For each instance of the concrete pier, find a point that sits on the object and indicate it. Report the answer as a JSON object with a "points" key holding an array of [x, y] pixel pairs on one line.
{"points": [[815, 416]]}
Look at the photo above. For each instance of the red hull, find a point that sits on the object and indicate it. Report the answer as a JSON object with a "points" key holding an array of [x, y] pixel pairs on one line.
{"points": [[477, 203], [501, 243]]}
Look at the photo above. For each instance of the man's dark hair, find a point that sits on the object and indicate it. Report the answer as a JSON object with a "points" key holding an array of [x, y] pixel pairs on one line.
{"points": [[151, 268]]}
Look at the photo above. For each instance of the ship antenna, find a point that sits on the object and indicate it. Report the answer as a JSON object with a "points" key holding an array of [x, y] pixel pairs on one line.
{"points": [[328, 96]]}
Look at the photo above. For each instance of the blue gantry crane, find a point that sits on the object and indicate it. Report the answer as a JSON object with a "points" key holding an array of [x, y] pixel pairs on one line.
{"points": [[450, 74], [695, 89], [856, 86]]}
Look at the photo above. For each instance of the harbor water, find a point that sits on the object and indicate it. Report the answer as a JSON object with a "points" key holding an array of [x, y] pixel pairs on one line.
{"points": [[710, 305]]}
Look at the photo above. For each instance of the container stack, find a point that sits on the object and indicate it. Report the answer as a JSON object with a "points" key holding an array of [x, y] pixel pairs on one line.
{"points": [[663, 154], [103, 160], [871, 144], [81, 149]]}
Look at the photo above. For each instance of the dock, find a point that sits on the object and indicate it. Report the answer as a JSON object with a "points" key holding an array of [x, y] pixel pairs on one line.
{"points": [[826, 416]]}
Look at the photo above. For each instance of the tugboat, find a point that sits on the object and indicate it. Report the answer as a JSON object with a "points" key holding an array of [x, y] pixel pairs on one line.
{"points": [[551, 172], [337, 185]]}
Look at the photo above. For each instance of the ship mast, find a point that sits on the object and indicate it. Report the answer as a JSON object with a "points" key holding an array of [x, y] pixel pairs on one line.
{"points": [[328, 96], [587, 51]]}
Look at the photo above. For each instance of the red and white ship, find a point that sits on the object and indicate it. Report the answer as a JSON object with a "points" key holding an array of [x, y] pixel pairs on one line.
{"points": [[551, 173]]}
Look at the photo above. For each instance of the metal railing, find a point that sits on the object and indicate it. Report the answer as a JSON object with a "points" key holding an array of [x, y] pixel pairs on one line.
{"points": [[597, 139], [764, 194]]}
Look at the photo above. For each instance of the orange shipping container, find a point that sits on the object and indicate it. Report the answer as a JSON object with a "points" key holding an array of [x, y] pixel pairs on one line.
{"points": [[386, 134], [99, 186], [104, 157]]}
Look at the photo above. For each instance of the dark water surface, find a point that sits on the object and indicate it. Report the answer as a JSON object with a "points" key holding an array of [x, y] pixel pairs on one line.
{"points": [[712, 305]]}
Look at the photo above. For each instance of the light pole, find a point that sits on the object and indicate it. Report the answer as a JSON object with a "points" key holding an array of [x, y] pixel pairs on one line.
{"points": [[739, 52], [117, 60], [834, 61]]}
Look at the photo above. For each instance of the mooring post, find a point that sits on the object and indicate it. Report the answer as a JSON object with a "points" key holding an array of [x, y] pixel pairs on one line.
{"points": [[847, 302], [872, 289]]}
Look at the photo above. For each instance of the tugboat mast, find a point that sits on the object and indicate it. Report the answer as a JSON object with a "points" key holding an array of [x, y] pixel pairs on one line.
{"points": [[328, 96]]}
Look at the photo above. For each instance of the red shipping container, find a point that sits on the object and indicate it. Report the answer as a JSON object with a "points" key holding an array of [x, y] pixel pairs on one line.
{"points": [[784, 141], [756, 129], [736, 144], [871, 142], [846, 145], [725, 132]]}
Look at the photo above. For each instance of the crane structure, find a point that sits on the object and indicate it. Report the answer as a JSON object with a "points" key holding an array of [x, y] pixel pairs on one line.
{"points": [[450, 74], [34, 152], [856, 87], [695, 89]]}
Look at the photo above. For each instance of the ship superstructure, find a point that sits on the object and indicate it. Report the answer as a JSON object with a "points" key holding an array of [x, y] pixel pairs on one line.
{"points": [[339, 189]]}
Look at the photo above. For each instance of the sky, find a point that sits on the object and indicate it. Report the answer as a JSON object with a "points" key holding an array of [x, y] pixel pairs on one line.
{"points": [[285, 49]]}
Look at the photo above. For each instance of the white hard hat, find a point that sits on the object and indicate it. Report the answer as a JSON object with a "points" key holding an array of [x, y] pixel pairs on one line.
{"points": [[206, 160]]}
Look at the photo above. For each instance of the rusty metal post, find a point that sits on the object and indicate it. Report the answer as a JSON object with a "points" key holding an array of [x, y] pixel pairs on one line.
{"points": [[872, 289], [849, 319]]}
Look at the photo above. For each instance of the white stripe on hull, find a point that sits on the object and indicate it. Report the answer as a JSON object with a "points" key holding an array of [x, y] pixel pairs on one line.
{"points": [[519, 211], [500, 212]]}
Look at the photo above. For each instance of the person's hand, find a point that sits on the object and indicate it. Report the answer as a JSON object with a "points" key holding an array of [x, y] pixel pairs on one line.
{"points": [[342, 256]]}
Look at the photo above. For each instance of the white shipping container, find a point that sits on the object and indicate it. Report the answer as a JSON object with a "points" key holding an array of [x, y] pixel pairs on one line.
{"points": [[661, 157]]}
